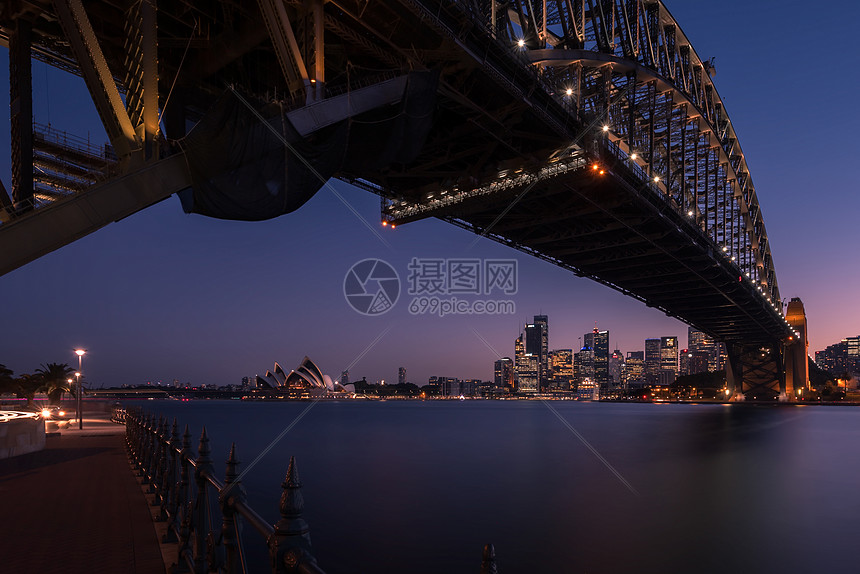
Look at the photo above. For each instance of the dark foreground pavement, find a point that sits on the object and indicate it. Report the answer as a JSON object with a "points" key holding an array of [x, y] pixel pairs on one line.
{"points": [[76, 507]]}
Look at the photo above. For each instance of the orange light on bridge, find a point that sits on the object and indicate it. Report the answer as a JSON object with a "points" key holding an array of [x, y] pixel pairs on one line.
{"points": [[601, 172], [384, 223], [594, 167], [393, 226]]}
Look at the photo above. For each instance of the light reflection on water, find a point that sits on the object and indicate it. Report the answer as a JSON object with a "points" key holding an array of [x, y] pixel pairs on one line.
{"points": [[420, 487]]}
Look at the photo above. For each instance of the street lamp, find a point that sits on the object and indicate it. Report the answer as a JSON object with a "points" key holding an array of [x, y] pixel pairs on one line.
{"points": [[80, 353]]}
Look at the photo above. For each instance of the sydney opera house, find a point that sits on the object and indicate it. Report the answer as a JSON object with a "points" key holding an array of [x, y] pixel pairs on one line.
{"points": [[306, 379]]}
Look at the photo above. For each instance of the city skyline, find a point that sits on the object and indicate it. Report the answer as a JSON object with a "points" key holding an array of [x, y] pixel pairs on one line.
{"points": [[163, 295]]}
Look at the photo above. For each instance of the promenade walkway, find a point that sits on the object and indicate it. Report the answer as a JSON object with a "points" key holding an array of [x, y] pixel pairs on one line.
{"points": [[76, 507]]}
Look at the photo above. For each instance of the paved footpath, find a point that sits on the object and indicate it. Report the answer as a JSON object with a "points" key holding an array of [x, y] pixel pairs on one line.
{"points": [[76, 507]]}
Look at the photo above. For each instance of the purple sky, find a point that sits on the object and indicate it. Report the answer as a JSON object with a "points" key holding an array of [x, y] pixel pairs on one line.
{"points": [[164, 295]]}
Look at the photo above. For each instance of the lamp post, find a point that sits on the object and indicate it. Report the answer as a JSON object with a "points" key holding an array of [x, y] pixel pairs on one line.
{"points": [[80, 353]]}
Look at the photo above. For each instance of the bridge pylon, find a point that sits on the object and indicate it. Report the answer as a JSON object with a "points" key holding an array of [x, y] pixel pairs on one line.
{"points": [[770, 371], [797, 351]]}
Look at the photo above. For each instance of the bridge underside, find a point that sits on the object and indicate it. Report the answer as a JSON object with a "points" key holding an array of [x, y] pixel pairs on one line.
{"points": [[513, 144]]}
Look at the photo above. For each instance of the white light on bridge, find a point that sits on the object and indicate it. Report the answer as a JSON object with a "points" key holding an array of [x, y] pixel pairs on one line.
{"points": [[690, 213], [733, 257], [633, 156], [521, 43], [725, 248], [606, 128], [569, 92], [656, 178]]}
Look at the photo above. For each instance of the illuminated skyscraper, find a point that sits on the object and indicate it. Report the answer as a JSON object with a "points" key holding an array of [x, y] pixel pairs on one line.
{"points": [[652, 360], [616, 362], [503, 373], [561, 366], [598, 341], [634, 369], [537, 343], [527, 371], [401, 375], [344, 378], [519, 358], [699, 341], [583, 365], [669, 356]]}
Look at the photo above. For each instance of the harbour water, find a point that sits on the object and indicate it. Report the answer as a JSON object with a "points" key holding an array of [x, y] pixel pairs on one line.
{"points": [[419, 487]]}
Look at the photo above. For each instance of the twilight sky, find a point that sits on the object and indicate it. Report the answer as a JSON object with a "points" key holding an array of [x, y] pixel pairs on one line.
{"points": [[162, 295]]}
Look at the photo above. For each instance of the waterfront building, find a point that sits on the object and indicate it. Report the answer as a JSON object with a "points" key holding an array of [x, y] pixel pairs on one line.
{"points": [[652, 360], [692, 362], [503, 374], [528, 371], [841, 357], [588, 390], [583, 365], [537, 343], [701, 342], [401, 376], [616, 364], [561, 367], [669, 356], [598, 341], [519, 358], [634, 369]]}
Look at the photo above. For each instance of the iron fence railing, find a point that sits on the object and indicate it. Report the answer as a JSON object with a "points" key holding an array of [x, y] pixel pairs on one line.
{"points": [[183, 486]]}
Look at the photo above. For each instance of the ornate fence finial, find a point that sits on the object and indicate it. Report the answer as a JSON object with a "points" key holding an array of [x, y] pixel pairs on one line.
{"points": [[292, 536], [488, 561], [203, 451], [186, 439], [232, 466]]}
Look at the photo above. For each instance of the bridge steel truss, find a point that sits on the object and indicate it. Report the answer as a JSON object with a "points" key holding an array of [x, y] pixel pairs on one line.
{"points": [[649, 115], [585, 132]]}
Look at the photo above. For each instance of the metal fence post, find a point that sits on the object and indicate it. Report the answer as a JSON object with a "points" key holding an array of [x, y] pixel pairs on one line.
{"points": [[200, 524], [169, 508], [232, 494], [291, 551]]}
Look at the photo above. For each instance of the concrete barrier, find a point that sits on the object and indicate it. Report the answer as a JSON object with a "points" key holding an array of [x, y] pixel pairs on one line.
{"points": [[20, 433]]}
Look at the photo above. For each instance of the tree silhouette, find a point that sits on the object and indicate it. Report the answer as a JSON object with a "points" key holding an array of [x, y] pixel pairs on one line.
{"points": [[55, 380]]}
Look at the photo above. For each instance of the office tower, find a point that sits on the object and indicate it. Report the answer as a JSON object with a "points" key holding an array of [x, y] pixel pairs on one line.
{"points": [[699, 341], [583, 365], [536, 343], [561, 367], [344, 378], [692, 362], [503, 373], [519, 358], [652, 360], [401, 375], [527, 372], [634, 369], [598, 342], [669, 359], [616, 362]]}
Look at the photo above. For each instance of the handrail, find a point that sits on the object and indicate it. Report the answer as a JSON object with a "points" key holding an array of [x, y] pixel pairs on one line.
{"points": [[182, 485]]}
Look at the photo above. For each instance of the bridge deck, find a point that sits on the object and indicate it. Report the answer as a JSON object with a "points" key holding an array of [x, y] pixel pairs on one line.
{"points": [[76, 507]]}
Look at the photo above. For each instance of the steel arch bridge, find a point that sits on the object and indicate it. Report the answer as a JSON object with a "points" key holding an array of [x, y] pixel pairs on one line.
{"points": [[585, 132]]}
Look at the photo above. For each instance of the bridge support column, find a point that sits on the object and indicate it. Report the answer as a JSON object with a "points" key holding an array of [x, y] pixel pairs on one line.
{"points": [[734, 372], [756, 372], [797, 351]]}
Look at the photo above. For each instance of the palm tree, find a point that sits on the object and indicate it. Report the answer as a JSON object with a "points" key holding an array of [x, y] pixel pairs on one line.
{"points": [[55, 380], [26, 387]]}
